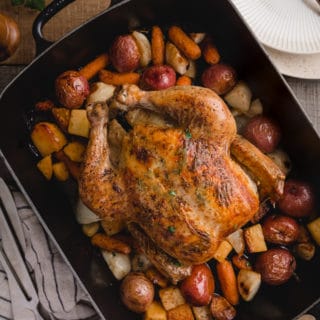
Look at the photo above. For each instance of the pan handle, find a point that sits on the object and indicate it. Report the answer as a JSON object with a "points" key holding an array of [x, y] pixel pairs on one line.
{"points": [[52, 9]]}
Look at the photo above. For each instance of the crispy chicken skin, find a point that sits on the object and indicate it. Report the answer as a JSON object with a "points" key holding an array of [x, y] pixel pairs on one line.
{"points": [[178, 184]]}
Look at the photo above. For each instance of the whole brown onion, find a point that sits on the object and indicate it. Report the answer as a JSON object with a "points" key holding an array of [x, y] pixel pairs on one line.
{"points": [[9, 36]]}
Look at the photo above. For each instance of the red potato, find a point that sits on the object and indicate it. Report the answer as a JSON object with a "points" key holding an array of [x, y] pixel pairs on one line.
{"points": [[220, 78], [280, 229], [137, 292], [263, 132], [158, 78], [276, 266], [71, 89], [125, 54], [198, 288], [298, 199]]}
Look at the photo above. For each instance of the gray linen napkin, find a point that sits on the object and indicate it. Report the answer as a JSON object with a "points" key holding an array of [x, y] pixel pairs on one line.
{"points": [[60, 295]]}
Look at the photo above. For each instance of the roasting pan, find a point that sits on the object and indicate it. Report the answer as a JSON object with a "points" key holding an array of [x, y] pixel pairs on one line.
{"points": [[52, 203]]}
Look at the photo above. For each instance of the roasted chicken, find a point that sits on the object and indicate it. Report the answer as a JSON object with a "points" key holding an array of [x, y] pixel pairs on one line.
{"points": [[181, 187]]}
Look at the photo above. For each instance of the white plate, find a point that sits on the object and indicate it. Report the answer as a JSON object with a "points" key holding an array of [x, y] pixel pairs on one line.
{"points": [[287, 25], [304, 66]]}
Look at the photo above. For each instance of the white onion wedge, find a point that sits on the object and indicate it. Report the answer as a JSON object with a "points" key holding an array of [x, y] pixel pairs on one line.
{"points": [[144, 47], [84, 215], [248, 283], [118, 263]]}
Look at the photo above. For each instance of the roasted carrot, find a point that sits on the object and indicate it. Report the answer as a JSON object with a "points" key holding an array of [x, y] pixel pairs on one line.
{"points": [[94, 66], [117, 79], [184, 43], [184, 81], [44, 105], [156, 277], [105, 242], [157, 46], [241, 262], [210, 52], [73, 167], [228, 281]]}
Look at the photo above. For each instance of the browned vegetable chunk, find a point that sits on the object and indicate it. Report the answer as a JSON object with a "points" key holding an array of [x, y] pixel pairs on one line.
{"points": [[298, 199], [47, 138], [124, 54], [62, 117], [276, 266], [221, 309], [158, 78], [137, 292], [45, 166], [263, 132], [199, 286], [220, 78], [71, 89], [182, 312], [280, 229]]}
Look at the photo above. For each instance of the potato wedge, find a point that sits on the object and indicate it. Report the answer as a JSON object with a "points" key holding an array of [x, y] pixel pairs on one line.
{"points": [[79, 124], [62, 117], [75, 151], [144, 47], [254, 239], [155, 312], [60, 171], [248, 283], [45, 166], [47, 138], [239, 97], [175, 59]]}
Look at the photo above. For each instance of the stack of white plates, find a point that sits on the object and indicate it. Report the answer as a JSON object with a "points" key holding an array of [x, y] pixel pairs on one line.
{"points": [[289, 31]]}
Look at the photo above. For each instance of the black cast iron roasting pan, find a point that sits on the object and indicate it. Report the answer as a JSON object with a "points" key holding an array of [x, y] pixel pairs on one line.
{"points": [[239, 48]]}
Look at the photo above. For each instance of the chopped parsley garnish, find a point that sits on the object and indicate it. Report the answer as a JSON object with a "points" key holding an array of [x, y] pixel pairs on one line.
{"points": [[171, 229], [172, 193], [188, 134]]}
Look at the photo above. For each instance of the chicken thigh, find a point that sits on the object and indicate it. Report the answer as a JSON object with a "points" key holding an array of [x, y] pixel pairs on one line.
{"points": [[180, 186]]}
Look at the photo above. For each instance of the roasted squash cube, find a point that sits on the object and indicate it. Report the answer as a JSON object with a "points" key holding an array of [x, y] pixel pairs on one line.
{"points": [[62, 116], [79, 124], [60, 171], [45, 166], [47, 138], [155, 312], [182, 312], [75, 151], [171, 297]]}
